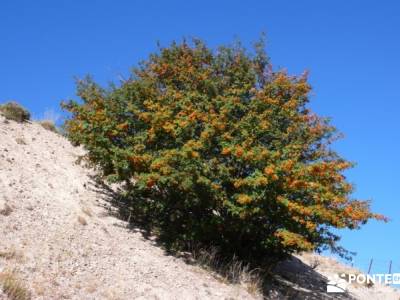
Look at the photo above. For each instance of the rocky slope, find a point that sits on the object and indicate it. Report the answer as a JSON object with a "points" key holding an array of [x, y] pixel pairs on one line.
{"points": [[57, 234], [58, 239]]}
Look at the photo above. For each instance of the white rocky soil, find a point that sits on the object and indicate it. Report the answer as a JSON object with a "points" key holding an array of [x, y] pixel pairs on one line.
{"points": [[46, 199], [57, 235]]}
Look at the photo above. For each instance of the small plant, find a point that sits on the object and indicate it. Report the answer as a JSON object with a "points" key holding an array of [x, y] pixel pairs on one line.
{"points": [[49, 125], [315, 262], [14, 111], [13, 287], [20, 141]]}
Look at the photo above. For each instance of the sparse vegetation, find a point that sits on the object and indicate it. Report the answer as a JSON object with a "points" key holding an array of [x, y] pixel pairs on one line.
{"points": [[49, 125], [13, 287], [230, 271], [20, 141], [14, 111], [315, 263]]}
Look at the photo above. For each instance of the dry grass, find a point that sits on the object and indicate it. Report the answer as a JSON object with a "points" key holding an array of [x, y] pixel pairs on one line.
{"points": [[20, 141], [82, 221], [314, 263], [232, 271], [49, 125], [13, 287], [14, 111]]}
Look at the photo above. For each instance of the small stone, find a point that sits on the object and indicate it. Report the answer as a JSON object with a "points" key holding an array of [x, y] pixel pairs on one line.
{"points": [[5, 209]]}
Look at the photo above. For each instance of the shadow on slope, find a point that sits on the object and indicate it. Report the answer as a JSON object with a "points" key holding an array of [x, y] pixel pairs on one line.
{"points": [[289, 279]]}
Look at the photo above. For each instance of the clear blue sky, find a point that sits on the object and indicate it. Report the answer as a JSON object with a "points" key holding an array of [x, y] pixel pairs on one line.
{"points": [[351, 48]]}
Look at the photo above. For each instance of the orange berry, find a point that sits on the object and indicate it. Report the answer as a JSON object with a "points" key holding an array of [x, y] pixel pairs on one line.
{"points": [[226, 151]]}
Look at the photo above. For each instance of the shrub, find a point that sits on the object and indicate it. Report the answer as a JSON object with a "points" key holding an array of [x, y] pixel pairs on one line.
{"points": [[14, 111], [217, 148], [13, 287], [49, 125]]}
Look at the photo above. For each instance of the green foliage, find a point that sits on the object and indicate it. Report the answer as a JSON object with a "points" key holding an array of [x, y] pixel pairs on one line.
{"points": [[14, 111], [216, 148]]}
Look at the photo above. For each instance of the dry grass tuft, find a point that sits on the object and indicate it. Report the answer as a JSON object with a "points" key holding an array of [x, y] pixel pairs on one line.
{"points": [[314, 263], [49, 125], [20, 141], [14, 111], [13, 287], [233, 271], [82, 220]]}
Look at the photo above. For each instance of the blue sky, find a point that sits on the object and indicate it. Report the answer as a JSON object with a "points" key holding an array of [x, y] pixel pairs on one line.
{"points": [[351, 49]]}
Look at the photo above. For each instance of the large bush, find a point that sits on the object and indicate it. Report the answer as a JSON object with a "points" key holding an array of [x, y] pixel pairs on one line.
{"points": [[217, 148]]}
